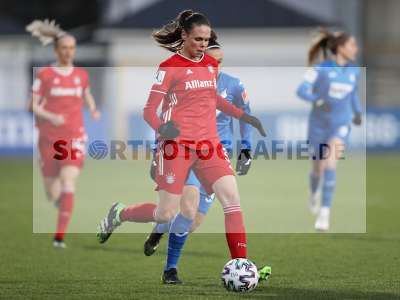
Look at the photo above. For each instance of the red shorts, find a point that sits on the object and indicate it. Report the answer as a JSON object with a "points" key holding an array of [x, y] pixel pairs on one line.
{"points": [[73, 154], [174, 166]]}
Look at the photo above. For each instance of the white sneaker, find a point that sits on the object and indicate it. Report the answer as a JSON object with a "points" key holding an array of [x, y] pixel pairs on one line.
{"points": [[59, 244], [313, 202], [322, 222]]}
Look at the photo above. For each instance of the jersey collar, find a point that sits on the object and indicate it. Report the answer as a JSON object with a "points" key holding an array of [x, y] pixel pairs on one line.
{"points": [[62, 72], [195, 61]]}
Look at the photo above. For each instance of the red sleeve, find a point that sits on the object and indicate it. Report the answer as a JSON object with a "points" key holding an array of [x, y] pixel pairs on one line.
{"points": [[228, 108], [164, 79], [38, 86], [150, 110], [162, 83]]}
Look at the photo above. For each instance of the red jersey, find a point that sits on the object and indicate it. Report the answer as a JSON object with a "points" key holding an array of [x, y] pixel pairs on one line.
{"points": [[62, 93], [189, 90]]}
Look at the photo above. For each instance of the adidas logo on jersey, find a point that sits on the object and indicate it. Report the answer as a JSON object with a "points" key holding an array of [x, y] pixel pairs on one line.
{"points": [[188, 72], [195, 84]]}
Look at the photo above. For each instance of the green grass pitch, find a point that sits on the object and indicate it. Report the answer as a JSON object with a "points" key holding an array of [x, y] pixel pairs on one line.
{"points": [[305, 266]]}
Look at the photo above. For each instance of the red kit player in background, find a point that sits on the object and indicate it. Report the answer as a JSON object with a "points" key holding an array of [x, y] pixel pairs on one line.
{"points": [[58, 94]]}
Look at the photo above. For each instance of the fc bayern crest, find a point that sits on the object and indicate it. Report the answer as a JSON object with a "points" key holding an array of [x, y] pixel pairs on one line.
{"points": [[77, 80], [170, 178]]}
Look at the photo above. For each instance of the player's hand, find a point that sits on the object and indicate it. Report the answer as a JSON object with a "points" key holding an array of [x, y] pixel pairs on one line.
{"points": [[253, 121], [153, 166], [168, 130], [243, 162], [323, 105], [57, 120], [357, 120], [96, 115]]}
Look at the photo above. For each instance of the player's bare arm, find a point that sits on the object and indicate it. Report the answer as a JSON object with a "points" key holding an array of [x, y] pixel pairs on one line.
{"points": [[91, 104]]}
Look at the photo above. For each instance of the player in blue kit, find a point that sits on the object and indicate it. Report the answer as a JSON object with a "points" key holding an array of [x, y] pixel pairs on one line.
{"points": [[332, 88], [233, 90]]}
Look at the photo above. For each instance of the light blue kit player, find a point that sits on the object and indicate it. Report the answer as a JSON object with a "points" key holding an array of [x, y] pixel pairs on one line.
{"points": [[231, 89], [332, 88]]}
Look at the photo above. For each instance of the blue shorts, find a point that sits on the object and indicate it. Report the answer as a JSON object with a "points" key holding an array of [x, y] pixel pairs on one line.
{"points": [[319, 137], [205, 200]]}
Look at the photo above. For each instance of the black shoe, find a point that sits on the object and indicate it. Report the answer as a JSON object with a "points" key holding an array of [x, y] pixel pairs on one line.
{"points": [[171, 277], [152, 242]]}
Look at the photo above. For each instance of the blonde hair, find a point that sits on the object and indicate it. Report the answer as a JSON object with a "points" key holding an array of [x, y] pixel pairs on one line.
{"points": [[325, 41], [46, 31]]}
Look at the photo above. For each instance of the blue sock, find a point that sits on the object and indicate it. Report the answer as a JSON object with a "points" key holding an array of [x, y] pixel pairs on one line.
{"points": [[178, 234], [328, 187], [314, 183], [162, 228]]}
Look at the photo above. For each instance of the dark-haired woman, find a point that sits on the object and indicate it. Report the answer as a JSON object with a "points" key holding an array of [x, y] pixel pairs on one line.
{"points": [[58, 94], [331, 86], [186, 85]]}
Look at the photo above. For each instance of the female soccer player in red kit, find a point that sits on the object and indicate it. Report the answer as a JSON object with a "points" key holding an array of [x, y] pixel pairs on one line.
{"points": [[58, 94], [186, 84]]}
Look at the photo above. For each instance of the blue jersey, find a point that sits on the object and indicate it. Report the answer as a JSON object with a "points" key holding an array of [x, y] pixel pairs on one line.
{"points": [[336, 85], [232, 90]]}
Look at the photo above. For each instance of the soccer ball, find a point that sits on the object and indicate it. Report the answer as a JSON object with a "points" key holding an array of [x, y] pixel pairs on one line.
{"points": [[240, 275]]}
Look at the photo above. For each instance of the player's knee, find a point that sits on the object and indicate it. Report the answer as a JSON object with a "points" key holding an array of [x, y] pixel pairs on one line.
{"points": [[196, 222], [189, 209], [68, 184], [164, 216], [229, 197], [189, 202]]}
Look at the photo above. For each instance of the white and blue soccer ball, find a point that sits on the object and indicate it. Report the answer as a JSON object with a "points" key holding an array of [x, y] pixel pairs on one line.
{"points": [[240, 275]]}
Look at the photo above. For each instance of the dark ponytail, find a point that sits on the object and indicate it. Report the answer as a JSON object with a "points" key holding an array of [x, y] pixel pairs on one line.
{"points": [[325, 41], [170, 35]]}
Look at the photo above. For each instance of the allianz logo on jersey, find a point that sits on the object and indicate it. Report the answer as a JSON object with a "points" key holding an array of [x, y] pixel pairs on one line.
{"points": [[339, 90], [196, 84], [62, 92]]}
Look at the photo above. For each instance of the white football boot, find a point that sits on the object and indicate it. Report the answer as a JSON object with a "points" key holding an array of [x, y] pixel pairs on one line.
{"points": [[322, 222]]}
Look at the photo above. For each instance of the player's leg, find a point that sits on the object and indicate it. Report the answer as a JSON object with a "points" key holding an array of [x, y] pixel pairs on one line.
{"points": [[316, 176], [316, 137], [178, 233], [178, 230], [188, 202], [189, 198], [336, 145], [198, 220], [162, 212], [52, 187], [216, 175], [204, 206], [158, 231], [68, 176], [50, 171], [170, 178], [226, 190]]}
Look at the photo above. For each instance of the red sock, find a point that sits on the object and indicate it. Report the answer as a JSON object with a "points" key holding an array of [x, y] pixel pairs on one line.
{"points": [[235, 232], [139, 213], [64, 214]]}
